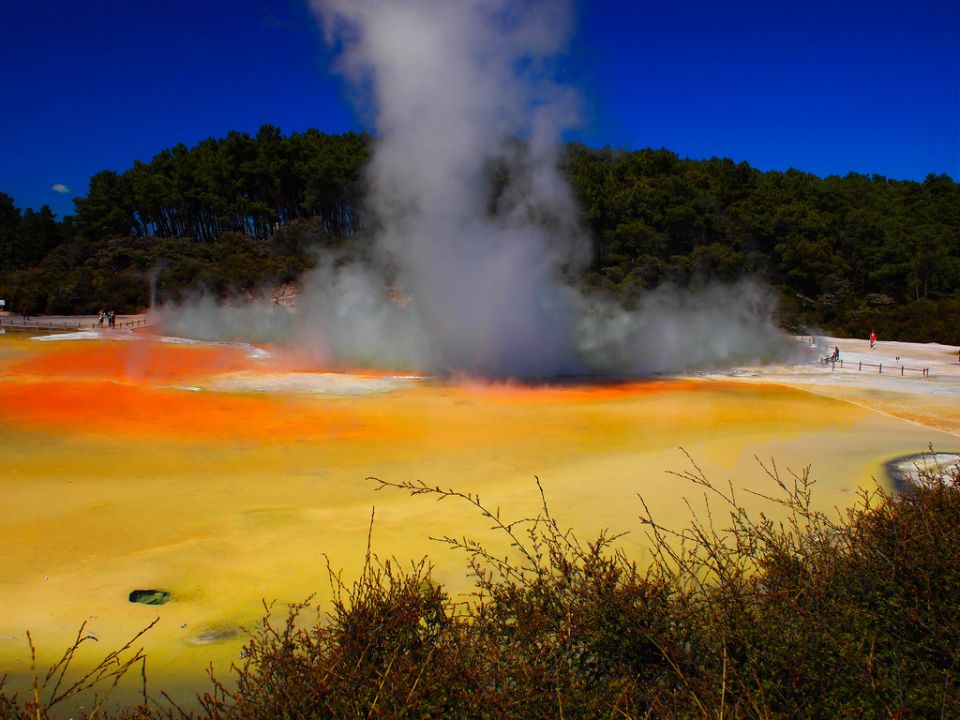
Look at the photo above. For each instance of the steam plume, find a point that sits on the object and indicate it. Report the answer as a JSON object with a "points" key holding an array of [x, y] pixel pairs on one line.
{"points": [[453, 85], [457, 90]]}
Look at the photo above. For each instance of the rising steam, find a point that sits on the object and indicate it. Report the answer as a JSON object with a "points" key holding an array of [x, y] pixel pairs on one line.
{"points": [[457, 89]]}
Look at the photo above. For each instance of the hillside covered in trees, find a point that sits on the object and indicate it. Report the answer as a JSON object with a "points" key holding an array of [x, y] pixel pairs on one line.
{"points": [[846, 255]]}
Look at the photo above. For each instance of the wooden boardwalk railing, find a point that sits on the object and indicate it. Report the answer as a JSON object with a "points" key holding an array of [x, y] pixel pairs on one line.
{"points": [[859, 365], [66, 324]]}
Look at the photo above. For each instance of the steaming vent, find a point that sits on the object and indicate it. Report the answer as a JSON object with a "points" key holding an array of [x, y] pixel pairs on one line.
{"points": [[460, 278]]}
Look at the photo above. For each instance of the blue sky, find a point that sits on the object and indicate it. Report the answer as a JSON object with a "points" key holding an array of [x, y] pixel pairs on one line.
{"points": [[827, 87]]}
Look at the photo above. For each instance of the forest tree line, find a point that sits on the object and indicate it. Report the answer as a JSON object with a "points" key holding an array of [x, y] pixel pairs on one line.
{"points": [[845, 254]]}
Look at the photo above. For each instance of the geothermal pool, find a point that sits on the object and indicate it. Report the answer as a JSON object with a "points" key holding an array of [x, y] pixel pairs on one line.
{"points": [[226, 474]]}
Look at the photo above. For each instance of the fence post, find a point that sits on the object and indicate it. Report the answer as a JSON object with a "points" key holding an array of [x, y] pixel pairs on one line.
{"points": [[860, 365], [881, 368], [901, 370]]}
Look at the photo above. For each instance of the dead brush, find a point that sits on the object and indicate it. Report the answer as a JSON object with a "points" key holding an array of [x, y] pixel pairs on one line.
{"points": [[57, 688], [811, 615]]}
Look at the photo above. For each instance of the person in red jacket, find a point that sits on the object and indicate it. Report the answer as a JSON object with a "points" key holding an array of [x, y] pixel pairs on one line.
{"points": [[873, 339]]}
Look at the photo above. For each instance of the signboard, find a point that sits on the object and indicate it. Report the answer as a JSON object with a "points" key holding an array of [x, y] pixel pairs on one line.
{"points": [[3, 303]]}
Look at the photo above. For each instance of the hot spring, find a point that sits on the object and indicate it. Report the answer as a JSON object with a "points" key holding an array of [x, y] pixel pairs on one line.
{"points": [[228, 475]]}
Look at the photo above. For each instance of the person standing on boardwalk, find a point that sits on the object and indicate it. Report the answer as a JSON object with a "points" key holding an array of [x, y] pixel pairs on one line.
{"points": [[873, 339]]}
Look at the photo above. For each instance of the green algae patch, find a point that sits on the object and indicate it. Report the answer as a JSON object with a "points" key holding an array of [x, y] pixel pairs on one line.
{"points": [[149, 597]]}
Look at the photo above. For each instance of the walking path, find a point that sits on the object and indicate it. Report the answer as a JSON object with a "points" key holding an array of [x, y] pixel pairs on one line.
{"points": [[931, 399], [11, 321]]}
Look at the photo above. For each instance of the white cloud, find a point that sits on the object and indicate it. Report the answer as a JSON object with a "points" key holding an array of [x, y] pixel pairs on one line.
{"points": [[60, 188]]}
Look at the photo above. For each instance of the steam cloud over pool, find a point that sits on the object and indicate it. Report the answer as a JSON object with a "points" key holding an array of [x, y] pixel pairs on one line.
{"points": [[458, 90]]}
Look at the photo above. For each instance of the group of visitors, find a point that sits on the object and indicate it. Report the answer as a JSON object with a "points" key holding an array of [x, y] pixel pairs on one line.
{"points": [[835, 357], [110, 316]]}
